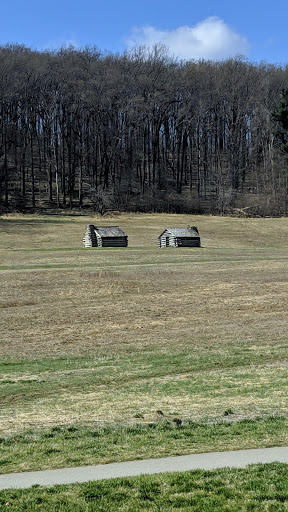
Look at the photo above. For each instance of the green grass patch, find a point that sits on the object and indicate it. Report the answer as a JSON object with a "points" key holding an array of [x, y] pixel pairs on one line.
{"points": [[177, 372], [78, 445], [257, 488]]}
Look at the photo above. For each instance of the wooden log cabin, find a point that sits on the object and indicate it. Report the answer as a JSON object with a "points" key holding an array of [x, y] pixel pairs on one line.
{"points": [[108, 236], [180, 237]]}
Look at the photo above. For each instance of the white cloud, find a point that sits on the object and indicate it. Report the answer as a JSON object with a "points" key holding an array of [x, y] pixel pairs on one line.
{"points": [[56, 44], [211, 38]]}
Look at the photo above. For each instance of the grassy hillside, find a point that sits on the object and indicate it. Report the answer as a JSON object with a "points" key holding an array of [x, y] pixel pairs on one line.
{"points": [[110, 338]]}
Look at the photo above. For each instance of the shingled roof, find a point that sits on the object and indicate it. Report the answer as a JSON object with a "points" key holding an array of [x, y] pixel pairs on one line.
{"points": [[109, 231], [182, 232]]}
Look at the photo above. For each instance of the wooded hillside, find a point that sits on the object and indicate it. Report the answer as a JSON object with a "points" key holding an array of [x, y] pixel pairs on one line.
{"points": [[140, 132]]}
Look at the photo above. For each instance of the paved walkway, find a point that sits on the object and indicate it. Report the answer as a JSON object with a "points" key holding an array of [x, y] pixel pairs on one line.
{"points": [[208, 461]]}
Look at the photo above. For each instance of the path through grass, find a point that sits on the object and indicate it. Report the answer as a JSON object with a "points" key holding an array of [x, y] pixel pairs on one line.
{"points": [[256, 488]]}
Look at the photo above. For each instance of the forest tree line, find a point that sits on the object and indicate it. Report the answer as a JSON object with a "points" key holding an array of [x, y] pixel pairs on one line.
{"points": [[141, 131]]}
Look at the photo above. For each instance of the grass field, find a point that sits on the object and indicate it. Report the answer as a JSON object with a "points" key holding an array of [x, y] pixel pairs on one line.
{"points": [[258, 488], [98, 342]]}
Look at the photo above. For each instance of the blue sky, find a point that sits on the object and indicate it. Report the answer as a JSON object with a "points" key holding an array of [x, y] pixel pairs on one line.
{"points": [[256, 29]]}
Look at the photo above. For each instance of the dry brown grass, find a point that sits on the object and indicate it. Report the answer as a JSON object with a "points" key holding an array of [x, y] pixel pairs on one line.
{"points": [[226, 301]]}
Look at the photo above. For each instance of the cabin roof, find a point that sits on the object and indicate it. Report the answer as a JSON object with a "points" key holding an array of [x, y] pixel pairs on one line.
{"points": [[181, 232], [109, 231]]}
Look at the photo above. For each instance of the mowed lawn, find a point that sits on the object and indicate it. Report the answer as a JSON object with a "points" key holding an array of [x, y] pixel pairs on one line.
{"points": [[97, 342], [256, 488]]}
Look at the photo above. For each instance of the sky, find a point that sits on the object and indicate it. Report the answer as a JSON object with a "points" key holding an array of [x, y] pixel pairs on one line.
{"points": [[190, 29]]}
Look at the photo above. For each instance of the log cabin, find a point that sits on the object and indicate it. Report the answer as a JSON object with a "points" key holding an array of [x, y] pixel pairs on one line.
{"points": [[180, 237], [104, 236]]}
